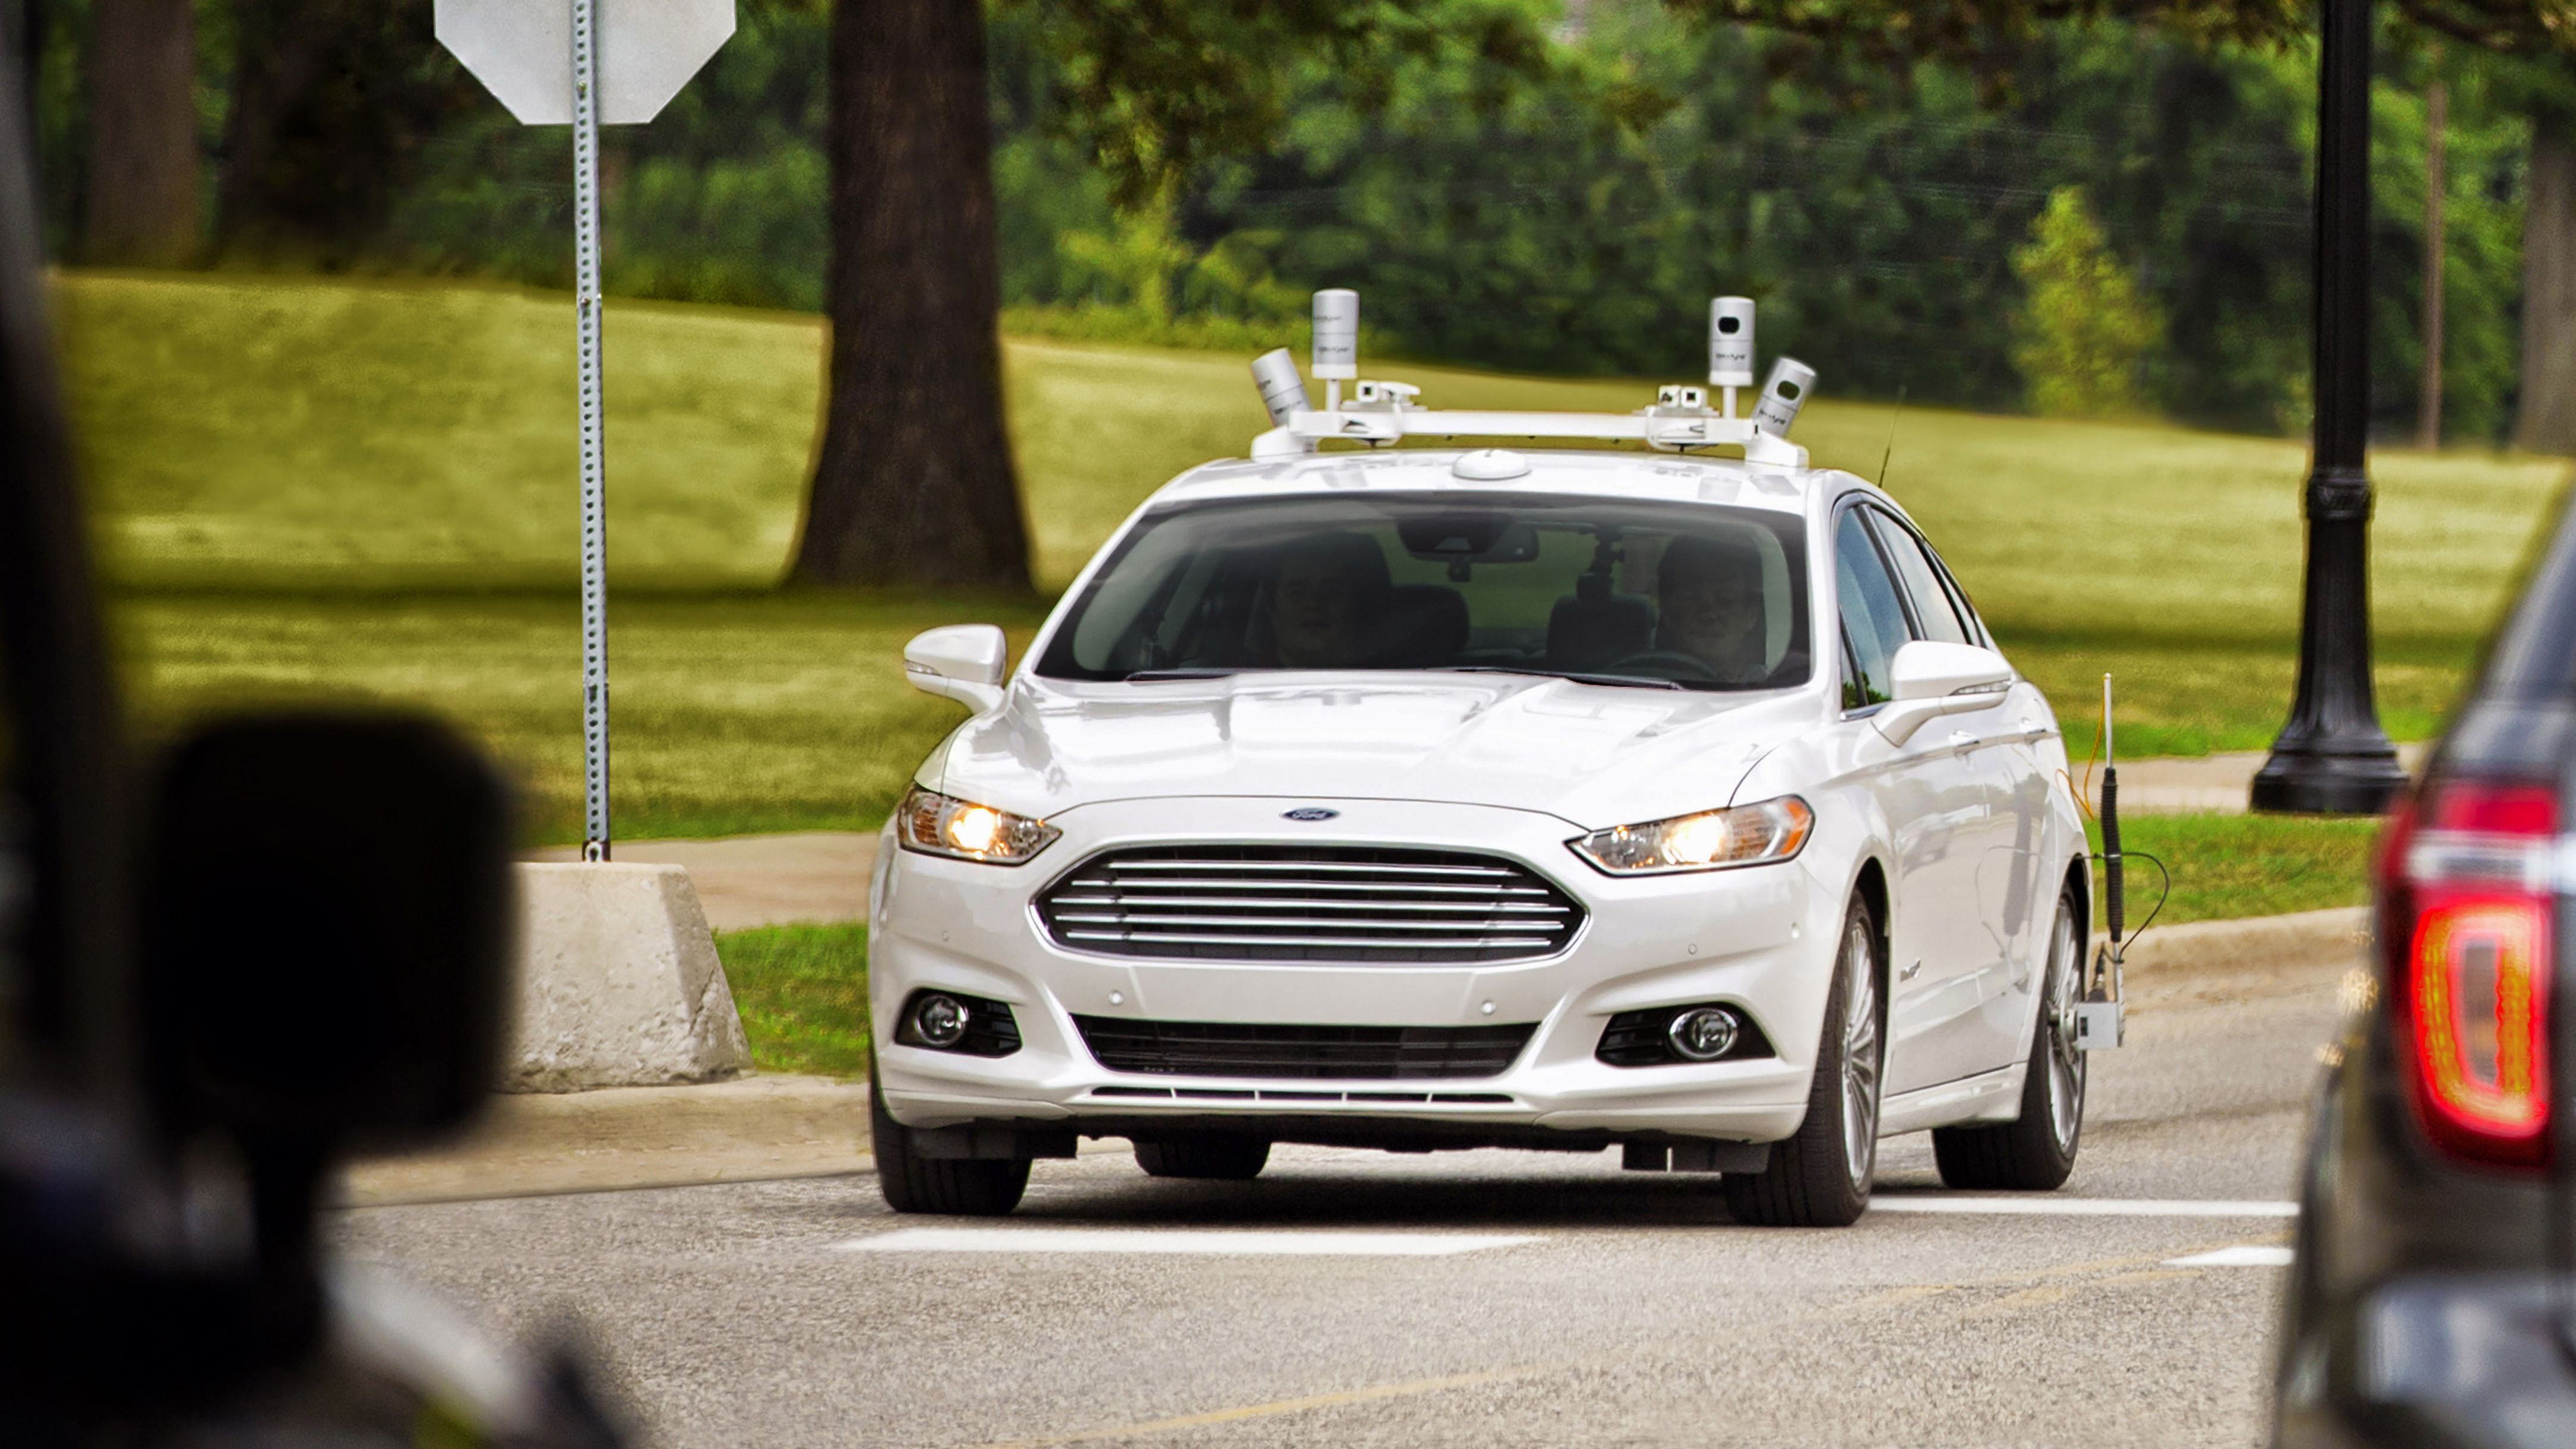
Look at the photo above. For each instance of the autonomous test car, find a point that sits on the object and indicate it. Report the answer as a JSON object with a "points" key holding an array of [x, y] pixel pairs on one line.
{"points": [[1432, 797]]}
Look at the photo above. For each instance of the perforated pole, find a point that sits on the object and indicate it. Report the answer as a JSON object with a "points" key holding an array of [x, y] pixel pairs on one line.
{"points": [[594, 459]]}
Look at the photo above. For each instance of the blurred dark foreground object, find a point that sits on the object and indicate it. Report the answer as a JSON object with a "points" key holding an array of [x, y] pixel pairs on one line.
{"points": [[326, 944], [326, 934], [323, 914]]}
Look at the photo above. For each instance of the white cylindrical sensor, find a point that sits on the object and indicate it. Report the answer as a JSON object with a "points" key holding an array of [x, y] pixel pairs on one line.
{"points": [[1337, 334], [1730, 342], [1783, 393], [1282, 390]]}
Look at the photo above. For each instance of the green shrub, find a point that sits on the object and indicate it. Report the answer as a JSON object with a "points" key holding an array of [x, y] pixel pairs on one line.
{"points": [[2084, 331]]}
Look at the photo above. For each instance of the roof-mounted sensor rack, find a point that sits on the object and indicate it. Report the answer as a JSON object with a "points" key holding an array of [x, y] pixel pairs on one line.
{"points": [[1379, 413]]}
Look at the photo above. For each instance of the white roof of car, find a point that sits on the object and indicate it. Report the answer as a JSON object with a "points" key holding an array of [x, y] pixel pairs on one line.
{"points": [[1662, 477]]}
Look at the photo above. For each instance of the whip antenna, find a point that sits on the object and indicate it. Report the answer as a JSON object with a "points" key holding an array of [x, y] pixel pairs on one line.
{"points": [[1891, 453]]}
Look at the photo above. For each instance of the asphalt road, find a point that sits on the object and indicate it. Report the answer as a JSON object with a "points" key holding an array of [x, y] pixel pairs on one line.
{"points": [[1481, 1298]]}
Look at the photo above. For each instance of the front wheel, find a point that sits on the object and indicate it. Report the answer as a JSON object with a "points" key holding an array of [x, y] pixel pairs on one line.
{"points": [[1819, 1178], [984, 1188], [2035, 1152]]}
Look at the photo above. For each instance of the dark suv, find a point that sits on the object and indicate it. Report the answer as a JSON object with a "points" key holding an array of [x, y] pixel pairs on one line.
{"points": [[2430, 1300]]}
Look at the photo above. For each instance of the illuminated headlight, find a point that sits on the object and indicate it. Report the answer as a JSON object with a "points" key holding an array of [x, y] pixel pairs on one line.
{"points": [[936, 824], [1710, 840]]}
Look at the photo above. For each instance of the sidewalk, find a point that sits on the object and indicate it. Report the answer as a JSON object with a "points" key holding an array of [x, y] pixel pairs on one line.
{"points": [[818, 876], [2173, 785]]}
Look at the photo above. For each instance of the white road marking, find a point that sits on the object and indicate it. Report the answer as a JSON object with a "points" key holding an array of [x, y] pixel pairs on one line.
{"points": [[2243, 1255], [1226, 1243], [2036, 1205]]}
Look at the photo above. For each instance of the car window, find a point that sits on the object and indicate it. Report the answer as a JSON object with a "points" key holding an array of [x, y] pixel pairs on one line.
{"points": [[1700, 595], [1873, 621], [1959, 600], [1935, 617]]}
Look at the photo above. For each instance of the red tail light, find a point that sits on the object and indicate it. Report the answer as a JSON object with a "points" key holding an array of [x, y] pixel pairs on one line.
{"points": [[2468, 879]]}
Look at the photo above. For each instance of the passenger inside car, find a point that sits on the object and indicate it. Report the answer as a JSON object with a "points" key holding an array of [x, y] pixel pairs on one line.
{"points": [[1708, 596], [1330, 586]]}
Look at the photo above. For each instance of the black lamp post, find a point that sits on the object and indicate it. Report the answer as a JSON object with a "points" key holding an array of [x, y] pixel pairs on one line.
{"points": [[2332, 758]]}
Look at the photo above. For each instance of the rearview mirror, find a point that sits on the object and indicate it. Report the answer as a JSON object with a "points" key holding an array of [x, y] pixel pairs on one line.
{"points": [[326, 935], [1930, 679], [963, 662]]}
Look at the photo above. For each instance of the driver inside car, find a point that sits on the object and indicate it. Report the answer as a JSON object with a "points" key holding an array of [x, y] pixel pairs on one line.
{"points": [[1330, 588], [1708, 598]]}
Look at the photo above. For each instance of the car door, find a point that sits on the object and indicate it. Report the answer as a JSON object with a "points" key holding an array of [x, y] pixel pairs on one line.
{"points": [[1937, 813], [2008, 936]]}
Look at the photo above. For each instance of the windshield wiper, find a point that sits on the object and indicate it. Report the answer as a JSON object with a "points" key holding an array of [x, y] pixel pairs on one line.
{"points": [[1620, 681], [1148, 676]]}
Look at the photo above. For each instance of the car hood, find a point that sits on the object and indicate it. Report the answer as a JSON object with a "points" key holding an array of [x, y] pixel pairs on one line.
{"points": [[1592, 755]]}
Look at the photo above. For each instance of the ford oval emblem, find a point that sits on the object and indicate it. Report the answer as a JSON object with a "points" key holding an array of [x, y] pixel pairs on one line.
{"points": [[1309, 812]]}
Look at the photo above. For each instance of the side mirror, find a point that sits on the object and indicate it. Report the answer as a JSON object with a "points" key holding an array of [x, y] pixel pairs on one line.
{"points": [[1931, 679], [326, 947], [963, 662]]}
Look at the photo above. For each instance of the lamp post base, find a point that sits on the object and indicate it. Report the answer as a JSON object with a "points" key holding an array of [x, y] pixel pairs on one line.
{"points": [[2345, 777]]}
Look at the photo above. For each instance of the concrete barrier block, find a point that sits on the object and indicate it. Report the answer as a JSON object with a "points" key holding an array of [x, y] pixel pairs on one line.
{"points": [[619, 983]]}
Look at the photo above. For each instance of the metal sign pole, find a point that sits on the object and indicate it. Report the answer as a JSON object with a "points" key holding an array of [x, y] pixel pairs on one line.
{"points": [[518, 49], [594, 461]]}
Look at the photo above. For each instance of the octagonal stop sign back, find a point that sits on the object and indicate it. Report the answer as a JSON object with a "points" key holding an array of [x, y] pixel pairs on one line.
{"points": [[522, 52]]}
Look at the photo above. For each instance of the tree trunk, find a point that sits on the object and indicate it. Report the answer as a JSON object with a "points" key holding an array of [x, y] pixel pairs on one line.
{"points": [[2437, 119], [142, 205], [2548, 415], [914, 482]]}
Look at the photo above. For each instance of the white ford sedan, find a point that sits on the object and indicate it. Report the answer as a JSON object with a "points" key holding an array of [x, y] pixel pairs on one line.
{"points": [[1425, 799]]}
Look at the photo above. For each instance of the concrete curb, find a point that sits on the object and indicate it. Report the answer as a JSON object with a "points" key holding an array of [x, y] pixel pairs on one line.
{"points": [[768, 1128], [748, 1130], [2214, 962]]}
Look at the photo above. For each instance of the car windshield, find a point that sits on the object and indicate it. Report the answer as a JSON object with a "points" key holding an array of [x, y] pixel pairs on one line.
{"points": [[1691, 596]]}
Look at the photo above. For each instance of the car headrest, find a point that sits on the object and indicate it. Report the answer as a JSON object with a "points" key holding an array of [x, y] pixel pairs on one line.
{"points": [[1590, 633], [1421, 625]]}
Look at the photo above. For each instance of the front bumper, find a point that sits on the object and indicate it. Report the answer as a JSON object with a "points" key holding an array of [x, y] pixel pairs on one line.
{"points": [[1760, 938], [2434, 1359]]}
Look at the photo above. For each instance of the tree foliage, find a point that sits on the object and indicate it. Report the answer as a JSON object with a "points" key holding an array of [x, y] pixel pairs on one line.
{"points": [[1570, 221], [1989, 39]]}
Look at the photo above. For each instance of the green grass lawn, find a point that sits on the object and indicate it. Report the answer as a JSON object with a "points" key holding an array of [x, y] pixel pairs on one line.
{"points": [[365, 490], [732, 714], [2226, 866], [803, 995]]}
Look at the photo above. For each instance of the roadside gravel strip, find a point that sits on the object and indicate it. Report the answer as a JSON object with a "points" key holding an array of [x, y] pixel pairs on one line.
{"points": [[775, 1127]]}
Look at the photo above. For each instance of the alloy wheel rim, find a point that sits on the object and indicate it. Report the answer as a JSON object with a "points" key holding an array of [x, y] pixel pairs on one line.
{"points": [[1860, 1055], [2065, 1061]]}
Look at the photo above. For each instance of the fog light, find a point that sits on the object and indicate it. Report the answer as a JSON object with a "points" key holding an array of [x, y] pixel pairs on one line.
{"points": [[1702, 1034], [941, 1021]]}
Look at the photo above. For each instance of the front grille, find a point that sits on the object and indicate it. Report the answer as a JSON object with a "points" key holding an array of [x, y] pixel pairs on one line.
{"points": [[1343, 1053], [1297, 903]]}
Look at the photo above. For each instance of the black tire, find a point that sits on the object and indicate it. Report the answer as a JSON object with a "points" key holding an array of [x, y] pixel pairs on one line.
{"points": [[977, 1189], [1223, 1159], [1819, 1178], [2036, 1151]]}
